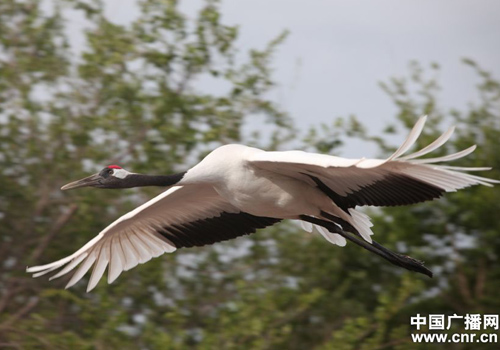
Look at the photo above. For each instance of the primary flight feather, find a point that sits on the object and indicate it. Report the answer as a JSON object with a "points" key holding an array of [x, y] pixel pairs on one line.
{"points": [[237, 189]]}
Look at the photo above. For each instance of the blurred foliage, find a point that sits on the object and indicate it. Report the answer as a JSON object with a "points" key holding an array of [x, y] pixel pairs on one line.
{"points": [[131, 97]]}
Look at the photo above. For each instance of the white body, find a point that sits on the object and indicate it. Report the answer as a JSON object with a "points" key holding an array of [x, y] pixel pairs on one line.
{"points": [[255, 190]]}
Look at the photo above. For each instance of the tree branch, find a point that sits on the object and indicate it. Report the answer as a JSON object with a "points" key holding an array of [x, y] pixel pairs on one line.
{"points": [[60, 223], [22, 312]]}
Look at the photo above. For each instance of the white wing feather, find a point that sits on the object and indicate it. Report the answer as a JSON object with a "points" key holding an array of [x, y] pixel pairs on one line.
{"points": [[133, 239], [333, 238], [306, 226], [410, 140], [441, 140]]}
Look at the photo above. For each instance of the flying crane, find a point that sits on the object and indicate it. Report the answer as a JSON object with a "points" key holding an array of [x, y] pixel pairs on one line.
{"points": [[236, 190]]}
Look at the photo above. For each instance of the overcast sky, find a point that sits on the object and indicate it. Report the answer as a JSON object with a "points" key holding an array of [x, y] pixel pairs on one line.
{"points": [[338, 50]]}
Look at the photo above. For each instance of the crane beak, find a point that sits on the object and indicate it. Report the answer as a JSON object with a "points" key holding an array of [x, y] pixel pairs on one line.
{"points": [[91, 181]]}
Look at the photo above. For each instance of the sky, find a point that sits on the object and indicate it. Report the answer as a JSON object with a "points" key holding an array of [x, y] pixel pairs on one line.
{"points": [[339, 50]]}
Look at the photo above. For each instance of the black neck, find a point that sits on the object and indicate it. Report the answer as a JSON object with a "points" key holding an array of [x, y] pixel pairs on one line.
{"points": [[140, 180]]}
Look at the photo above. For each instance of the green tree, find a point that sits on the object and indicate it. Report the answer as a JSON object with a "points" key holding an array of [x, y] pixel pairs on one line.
{"points": [[130, 97]]}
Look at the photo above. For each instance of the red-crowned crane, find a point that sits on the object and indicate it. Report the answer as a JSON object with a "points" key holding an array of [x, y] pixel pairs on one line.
{"points": [[236, 190]]}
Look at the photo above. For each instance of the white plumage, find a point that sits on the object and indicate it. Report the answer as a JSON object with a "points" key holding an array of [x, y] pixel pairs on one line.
{"points": [[237, 189]]}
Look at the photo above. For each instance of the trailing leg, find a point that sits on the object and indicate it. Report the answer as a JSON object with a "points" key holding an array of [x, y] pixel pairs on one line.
{"points": [[404, 261]]}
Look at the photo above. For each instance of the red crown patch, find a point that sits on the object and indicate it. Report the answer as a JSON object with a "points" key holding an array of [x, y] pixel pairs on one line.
{"points": [[114, 167]]}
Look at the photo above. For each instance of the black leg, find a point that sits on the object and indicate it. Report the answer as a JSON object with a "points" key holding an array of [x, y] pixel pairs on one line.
{"points": [[397, 259]]}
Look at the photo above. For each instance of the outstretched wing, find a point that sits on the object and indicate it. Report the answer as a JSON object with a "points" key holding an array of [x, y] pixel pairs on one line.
{"points": [[182, 216], [393, 181]]}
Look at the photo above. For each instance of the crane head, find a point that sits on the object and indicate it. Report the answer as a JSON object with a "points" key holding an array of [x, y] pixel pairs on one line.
{"points": [[109, 177]]}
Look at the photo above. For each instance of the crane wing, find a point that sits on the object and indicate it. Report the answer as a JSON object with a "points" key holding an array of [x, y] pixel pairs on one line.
{"points": [[393, 181], [182, 216]]}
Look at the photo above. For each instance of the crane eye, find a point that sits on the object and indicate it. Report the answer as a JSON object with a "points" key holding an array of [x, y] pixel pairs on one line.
{"points": [[110, 171]]}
